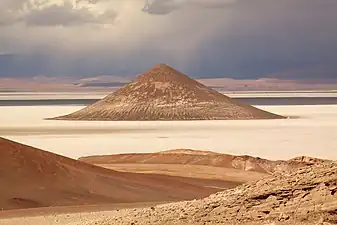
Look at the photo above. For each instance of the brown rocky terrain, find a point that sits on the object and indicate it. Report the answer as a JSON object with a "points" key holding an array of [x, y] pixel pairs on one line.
{"points": [[202, 158], [31, 177], [306, 196], [163, 93]]}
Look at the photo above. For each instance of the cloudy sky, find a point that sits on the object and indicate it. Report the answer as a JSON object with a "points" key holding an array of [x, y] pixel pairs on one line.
{"points": [[204, 38]]}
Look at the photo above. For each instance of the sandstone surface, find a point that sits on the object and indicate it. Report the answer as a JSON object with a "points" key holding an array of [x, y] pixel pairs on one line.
{"points": [[306, 196]]}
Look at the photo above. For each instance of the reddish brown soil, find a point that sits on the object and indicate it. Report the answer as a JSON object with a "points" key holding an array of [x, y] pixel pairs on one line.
{"points": [[31, 177], [204, 158]]}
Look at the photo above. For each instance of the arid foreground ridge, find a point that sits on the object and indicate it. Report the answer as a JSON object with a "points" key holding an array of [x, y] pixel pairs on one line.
{"points": [[32, 178], [163, 93], [204, 158], [307, 196]]}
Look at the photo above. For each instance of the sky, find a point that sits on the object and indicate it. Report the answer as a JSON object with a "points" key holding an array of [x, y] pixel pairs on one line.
{"points": [[242, 39]]}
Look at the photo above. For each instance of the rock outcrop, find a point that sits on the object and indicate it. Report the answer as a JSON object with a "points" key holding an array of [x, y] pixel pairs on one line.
{"points": [[163, 93], [307, 196]]}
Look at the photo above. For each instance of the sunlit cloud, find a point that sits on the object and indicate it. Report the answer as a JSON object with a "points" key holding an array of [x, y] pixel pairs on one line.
{"points": [[54, 13]]}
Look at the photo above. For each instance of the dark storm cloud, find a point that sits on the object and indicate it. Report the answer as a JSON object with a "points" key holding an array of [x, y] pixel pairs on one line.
{"points": [[275, 38], [16, 65], [159, 7], [162, 7], [247, 39]]}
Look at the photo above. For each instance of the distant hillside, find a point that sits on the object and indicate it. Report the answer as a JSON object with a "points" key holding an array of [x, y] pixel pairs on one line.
{"points": [[102, 84], [205, 158]]}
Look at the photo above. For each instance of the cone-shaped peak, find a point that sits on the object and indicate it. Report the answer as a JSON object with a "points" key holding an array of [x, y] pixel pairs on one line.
{"points": [[163, 73], [163, 93], [164, 84], [163, 66]]}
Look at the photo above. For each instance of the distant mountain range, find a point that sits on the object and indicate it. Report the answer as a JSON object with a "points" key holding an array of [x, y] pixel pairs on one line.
{"points": [[109, 83]]}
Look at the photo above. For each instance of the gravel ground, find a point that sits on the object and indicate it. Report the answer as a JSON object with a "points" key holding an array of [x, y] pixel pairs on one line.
{"points": [[307, 196], [105, 218], [59, 219]]}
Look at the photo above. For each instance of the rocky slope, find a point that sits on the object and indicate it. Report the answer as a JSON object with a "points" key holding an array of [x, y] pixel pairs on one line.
{"points": [[30, 178], [163, 93], [301, 197], [206, 158]]}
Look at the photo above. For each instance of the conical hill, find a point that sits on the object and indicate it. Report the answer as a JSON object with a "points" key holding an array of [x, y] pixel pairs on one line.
{"points": [[164, 93]]}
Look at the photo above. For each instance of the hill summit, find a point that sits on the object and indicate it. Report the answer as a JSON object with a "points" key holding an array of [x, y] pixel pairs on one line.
{"points": [[164, 93]]}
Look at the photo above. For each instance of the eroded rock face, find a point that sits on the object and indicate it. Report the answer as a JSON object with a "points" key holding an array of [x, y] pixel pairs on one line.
{"points": [[305, 196], [206, 158], [163, 93], [308, 160]]}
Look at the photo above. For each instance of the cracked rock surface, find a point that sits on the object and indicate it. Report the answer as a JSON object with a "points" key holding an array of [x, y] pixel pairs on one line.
{"points": [[301, 197]]}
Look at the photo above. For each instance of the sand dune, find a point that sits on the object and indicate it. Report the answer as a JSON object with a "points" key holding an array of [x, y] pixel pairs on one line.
{"points": [[34, 178]]}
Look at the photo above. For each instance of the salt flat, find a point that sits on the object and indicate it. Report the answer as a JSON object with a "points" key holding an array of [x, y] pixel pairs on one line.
{"points": [[313, 134], [99, 95]]}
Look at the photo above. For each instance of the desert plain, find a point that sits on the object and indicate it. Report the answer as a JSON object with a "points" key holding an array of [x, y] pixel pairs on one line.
{"points": [[313, 131]]}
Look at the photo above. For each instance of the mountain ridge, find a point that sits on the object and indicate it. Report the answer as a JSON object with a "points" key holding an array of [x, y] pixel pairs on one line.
{"points": [[205, 158]]}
